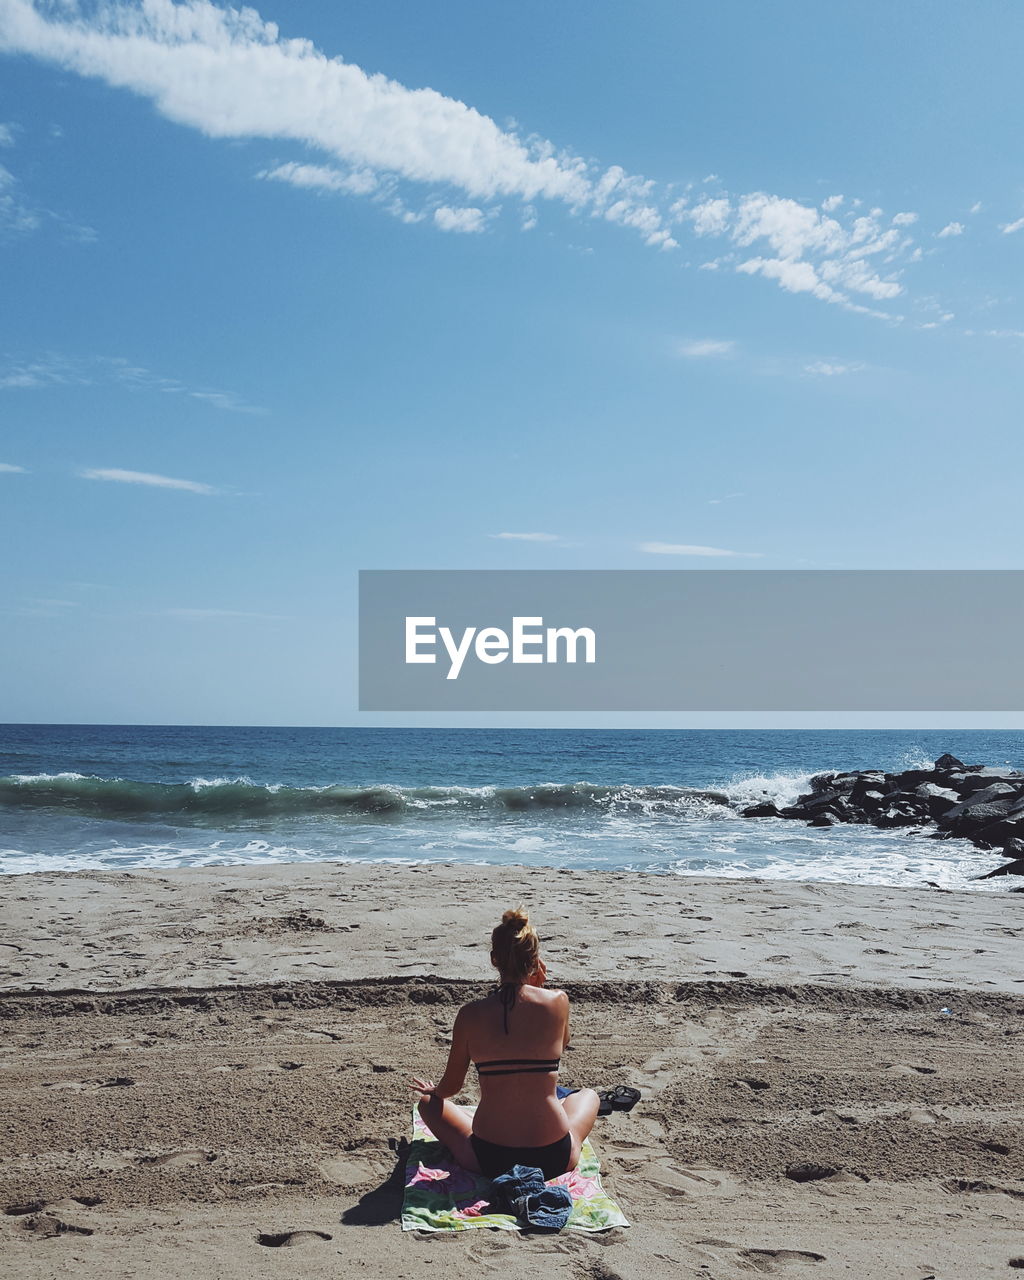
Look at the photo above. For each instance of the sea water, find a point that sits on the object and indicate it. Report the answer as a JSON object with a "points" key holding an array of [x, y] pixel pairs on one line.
{"points": [[122, 797]]}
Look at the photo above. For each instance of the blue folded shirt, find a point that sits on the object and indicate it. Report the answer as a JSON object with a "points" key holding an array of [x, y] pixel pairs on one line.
{"points": [[525, 1193]]}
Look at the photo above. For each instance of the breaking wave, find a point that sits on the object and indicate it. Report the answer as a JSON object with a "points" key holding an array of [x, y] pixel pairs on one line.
{"points": [[241, 798]]}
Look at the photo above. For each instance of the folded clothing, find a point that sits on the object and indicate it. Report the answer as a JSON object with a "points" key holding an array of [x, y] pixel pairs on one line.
{"points": [[525, 1193]]}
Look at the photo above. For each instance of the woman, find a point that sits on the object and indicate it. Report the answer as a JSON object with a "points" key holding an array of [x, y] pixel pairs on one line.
{"points": [[515, 1036]]}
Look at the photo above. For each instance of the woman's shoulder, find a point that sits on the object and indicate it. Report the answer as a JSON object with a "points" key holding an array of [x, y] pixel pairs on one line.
{"points": [[551, 996]]}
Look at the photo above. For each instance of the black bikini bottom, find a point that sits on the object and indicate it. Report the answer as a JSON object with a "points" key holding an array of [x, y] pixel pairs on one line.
{"points": [[495, 1159]]}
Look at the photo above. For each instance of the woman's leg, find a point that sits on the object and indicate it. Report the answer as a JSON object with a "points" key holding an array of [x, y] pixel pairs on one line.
{"points": [[452, 1126], [581, 1112]]}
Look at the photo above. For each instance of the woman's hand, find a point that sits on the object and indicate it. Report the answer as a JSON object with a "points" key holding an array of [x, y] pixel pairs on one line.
{"points": [[539, 975], [425, 1088]]}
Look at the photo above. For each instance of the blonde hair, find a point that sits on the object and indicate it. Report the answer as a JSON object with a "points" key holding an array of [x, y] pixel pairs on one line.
{"points": [[515, 947]]}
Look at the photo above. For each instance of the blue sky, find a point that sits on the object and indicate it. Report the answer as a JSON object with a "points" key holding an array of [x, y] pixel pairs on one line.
{"points": [[397, 285]]}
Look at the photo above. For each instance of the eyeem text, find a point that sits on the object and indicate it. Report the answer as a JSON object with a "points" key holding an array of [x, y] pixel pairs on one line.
{"points": [[530, 641]]}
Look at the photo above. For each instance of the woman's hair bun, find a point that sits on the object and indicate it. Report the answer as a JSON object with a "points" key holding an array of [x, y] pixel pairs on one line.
{"points": [[516, 918]]}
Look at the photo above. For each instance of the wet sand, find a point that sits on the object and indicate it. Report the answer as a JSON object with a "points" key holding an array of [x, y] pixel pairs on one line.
{"points": [[205, 1071]]}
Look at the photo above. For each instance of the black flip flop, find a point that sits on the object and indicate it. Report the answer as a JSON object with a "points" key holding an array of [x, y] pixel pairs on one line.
{"points": [[622, 1098]]}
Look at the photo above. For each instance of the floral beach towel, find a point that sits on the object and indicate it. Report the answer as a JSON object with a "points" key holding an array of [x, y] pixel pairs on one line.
{"points": [[442, 1196]]}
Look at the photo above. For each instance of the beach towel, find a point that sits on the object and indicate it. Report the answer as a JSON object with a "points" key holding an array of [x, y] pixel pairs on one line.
{"points": [[442, 1196]]}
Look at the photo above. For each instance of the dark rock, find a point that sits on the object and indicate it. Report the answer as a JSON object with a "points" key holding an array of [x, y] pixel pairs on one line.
{"points": [[975, 802], [929, 790], [963, 817], [936, 800], [764, 809], [910, 778], [823, 800], [1014, 868], [985, 795], [1002, 834], [896, 816]]}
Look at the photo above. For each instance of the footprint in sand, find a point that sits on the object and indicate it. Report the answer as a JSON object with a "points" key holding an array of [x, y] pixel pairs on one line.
{"points": [[769, 1260], [176, 1159], [47, 1224], [290, 1239], [810, 1171], [345, 1171]]}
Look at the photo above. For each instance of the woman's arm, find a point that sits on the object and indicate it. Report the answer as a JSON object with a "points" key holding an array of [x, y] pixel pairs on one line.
{"points": [[458, 1060]]}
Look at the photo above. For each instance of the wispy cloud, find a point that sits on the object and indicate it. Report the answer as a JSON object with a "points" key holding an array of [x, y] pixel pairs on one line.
{"points": [[687, 549], [526, 537], [6, 135], [230, 74], [807, 250], [950, 229], [727, 497], [702, 348], [56, 370], [17, 216], [9, 468], [833, 368], [315, 177], [118, 476], [1009, 228]]}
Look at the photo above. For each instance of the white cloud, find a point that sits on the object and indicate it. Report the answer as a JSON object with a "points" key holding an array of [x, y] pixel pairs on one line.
{"points": [[6, 135], [56, 370], [225, 400], [230, 74], [16, 215], [684, 549], [8, 468], [710, 217], [950, 229], [357, 182], [701, 348], [975, 208], [1008, 228], [833, 369], [526, 537], [146, 478], [449, 219], [794, 276]]}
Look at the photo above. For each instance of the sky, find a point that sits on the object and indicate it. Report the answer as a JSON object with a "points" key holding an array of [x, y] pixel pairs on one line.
{"points": [[329, 286]]}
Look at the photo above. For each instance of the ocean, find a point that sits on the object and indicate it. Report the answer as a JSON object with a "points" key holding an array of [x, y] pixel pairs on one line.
{"points": [[76, 797]]}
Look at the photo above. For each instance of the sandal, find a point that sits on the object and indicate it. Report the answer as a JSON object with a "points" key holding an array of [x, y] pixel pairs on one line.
{"points": [[622, 1098]]}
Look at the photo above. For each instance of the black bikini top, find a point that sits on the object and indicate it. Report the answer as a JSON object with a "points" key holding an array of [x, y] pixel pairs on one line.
{"points": [[513, 1066]]}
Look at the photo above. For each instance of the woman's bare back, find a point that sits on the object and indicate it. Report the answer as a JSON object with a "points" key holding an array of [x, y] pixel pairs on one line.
{"points": [[519, 1108]]}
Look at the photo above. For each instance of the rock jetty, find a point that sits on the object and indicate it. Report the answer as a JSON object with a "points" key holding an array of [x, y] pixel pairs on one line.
{"points": [[973, 801]]}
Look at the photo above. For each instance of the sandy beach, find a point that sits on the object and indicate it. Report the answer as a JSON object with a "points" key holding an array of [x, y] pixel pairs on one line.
{"points": [[204, 1071]]}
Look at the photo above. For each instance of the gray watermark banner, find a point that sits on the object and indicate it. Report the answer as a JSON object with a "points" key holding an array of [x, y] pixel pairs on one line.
{"points": [[691, 640]]}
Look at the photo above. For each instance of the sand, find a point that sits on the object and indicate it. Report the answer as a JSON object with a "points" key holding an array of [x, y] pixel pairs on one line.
{"points": [[204, 1071]]}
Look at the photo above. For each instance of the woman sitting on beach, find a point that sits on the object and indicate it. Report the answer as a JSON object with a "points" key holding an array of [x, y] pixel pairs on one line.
{"points": [[515, 1036]]}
